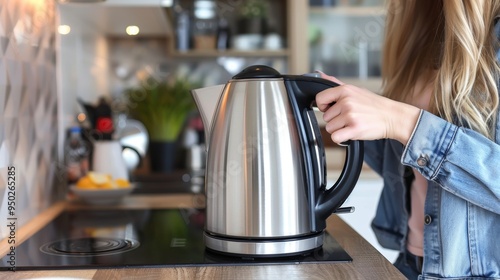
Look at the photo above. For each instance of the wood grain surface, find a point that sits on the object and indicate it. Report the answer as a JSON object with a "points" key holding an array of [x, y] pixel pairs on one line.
{"points": [[367, 262]]}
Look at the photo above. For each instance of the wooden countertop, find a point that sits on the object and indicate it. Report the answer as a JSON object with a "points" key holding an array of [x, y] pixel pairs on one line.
{"points": [[367, 262]]}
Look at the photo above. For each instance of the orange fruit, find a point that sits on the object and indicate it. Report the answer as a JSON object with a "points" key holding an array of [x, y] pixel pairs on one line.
{"points": [[122, 183], [85, 183]]}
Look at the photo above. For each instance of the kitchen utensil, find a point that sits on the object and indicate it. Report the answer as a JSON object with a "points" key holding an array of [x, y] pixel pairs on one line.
{"points": [[134, 138], [100, 117], [265, 171], [107, 158]]}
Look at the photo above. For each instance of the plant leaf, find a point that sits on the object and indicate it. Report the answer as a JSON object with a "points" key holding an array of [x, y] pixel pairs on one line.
{"points": [[162, 106]]}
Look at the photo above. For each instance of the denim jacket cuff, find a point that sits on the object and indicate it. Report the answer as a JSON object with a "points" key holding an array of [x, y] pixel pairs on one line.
{"points": [[429, 144]]}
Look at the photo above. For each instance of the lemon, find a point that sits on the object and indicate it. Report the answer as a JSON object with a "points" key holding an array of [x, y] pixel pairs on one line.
{"points": [[98, 178], [107, 185]]}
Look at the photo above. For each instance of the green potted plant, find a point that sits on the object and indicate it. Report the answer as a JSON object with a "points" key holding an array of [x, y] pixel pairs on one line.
{"points": [[253, 17], [163, 107]]}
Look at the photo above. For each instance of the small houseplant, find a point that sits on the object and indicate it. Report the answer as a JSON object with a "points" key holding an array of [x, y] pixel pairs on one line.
{"points": [[253, 17], [163, 107], [254, 9]]}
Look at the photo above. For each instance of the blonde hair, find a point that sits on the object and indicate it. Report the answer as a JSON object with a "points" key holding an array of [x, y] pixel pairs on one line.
{"points": [[451, 43]]}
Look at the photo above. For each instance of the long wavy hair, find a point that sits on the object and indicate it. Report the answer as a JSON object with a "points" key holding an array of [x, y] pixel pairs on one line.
{"points": [[451, 43]]}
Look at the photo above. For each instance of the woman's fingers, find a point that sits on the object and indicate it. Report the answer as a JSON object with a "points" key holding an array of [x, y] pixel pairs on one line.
{"points": [[331, 112], [325, 99], [353, 113], [335, 123], [343, 135], [331, 78], [345, 126]]}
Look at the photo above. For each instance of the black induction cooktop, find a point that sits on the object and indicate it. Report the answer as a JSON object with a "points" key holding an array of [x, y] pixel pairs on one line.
{"points": [[137, 238]]}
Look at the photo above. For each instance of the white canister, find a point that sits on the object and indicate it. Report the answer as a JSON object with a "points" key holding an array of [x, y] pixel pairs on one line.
{"points": [[196, 157], [273, 41], [107, 158]]}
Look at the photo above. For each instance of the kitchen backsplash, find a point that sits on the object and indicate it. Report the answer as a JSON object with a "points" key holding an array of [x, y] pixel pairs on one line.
{"points": [[28, 110]]}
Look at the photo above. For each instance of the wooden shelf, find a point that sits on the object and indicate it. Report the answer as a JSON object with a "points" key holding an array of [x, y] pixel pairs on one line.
{"points": [[291, 24], [231, 53], [358, 11]]}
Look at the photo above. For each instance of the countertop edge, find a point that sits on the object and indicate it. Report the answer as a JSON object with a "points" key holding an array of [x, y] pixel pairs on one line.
{"points": [[367, 262]]}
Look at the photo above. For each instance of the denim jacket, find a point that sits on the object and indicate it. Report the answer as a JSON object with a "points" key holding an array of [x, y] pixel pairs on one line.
{"points": [[462, 208]]}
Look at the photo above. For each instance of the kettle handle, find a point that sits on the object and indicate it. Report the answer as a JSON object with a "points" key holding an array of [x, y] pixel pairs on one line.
{"points": [[331, 199], [305, 89]]}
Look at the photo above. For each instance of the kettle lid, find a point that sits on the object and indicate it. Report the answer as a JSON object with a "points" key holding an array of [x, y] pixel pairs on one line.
{"points": [[258, 71]]}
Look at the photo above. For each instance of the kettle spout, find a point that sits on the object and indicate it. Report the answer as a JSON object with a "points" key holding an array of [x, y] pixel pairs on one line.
{"points": [[206, 100]]}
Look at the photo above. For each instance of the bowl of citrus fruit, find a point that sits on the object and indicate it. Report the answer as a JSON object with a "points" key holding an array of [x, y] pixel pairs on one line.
{"points": [[100, 188]]}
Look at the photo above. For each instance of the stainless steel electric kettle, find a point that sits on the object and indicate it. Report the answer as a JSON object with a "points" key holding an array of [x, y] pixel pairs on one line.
{"points": [[265, 171]]}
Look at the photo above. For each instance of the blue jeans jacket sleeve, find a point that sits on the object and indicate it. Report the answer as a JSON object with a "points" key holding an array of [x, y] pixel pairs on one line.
{"points": [[460, 160]]}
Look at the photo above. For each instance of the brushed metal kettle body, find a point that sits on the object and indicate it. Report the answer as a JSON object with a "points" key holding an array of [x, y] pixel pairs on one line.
{"points": [[265, 178]]}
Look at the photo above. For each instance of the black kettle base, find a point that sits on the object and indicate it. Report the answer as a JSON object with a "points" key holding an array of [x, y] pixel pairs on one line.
{"points": [[256, 248], [249, 257]]}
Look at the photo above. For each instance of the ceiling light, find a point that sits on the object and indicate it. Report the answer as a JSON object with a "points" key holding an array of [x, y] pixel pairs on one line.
{"points": [[132, 30], [64, 29], [81, 1], [167, 3]]}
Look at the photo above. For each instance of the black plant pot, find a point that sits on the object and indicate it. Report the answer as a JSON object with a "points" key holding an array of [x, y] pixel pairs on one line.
{"points": [[162, 156], [252, 26]]}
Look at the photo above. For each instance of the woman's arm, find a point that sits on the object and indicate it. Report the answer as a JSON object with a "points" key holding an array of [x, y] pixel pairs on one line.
{"points": [[460, 160], [354, 113]]}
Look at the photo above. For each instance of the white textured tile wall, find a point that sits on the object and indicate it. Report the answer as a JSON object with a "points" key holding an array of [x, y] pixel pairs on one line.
{"points": [[28, 109]]}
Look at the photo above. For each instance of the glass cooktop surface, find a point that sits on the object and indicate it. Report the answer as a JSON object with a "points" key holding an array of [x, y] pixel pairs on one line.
{"points": [[137, 238]]}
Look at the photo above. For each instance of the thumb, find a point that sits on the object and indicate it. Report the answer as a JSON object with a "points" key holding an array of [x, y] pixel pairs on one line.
{"points": [[330, 78]]}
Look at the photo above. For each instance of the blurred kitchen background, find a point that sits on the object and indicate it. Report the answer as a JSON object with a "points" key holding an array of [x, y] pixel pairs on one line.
{"points": [[107, 48], [82, 71]]}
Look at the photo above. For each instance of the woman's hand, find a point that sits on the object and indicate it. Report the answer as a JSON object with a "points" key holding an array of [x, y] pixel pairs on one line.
{"points": [[354, 113]]}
